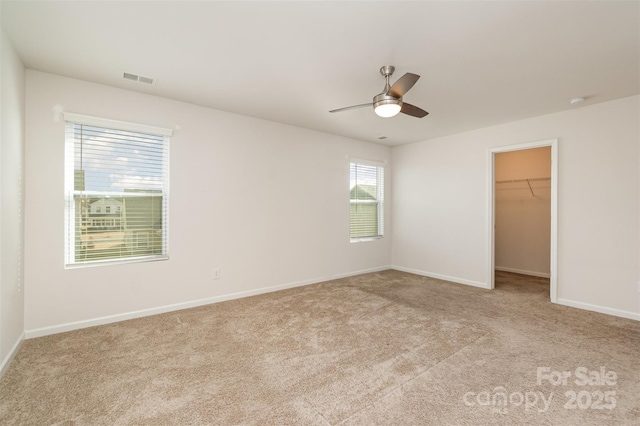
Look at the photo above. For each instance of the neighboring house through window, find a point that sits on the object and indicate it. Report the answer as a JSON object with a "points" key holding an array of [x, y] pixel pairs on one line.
{"points": [[366, 196], [117, 191]]}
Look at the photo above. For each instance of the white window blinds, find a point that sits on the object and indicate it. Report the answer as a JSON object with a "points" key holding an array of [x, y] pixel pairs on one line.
{"points": [[367, 200], [117, 191]]}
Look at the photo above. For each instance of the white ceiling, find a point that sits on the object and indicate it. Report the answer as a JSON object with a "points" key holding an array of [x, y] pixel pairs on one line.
{"points": [[482, 63]]}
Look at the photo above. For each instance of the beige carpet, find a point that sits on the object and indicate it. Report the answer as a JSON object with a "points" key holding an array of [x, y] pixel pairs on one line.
{"points": [[387, 348]]}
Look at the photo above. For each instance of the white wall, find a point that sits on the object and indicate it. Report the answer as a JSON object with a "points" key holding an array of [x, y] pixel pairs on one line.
{"points": [[224, 166], [266, 203], [523, 218], [12, 93], [440, 203]]}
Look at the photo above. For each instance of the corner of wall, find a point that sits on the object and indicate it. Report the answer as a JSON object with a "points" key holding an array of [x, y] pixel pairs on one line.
{"points": [[12, 116], [4, 363]]}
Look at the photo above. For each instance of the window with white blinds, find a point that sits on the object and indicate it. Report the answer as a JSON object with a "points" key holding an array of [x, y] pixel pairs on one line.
{"points": [[366, 195], [116, 190]]}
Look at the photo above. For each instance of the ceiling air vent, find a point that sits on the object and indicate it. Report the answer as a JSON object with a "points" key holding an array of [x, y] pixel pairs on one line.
{"points": [[138, 78], [146, 80]]}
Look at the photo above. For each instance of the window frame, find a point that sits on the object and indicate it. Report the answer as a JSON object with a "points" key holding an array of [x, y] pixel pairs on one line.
{"points": [[71, 194], [380, 175]]}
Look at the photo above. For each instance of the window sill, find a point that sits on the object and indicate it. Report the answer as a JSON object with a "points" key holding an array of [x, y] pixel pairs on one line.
{"points": [[80, 265], [365, 239]]}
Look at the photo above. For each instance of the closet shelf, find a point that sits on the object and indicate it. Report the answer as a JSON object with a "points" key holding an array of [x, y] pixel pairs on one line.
{"points": [[523, 180], [526, 180]]}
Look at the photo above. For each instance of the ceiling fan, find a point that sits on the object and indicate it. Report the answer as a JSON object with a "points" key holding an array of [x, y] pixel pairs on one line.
{"points": [[389, 102]]}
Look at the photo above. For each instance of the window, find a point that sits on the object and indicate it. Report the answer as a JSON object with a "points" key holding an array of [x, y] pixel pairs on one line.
{"points": [[118, 167], [366, 195]]}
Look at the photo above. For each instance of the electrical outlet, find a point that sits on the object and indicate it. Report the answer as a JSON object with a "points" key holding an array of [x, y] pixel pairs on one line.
{"points": [[216, 274]]}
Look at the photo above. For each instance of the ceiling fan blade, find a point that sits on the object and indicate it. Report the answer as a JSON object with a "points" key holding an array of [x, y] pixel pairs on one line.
{"points": [[351, 107], [413, 110], [403, 85]]}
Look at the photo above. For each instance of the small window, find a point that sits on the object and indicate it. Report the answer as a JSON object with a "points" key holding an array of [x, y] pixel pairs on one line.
{"points": [[114, 166], [366, 196]]}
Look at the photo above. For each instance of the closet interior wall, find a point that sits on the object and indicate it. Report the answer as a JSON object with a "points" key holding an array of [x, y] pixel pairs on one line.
{"points": [[523, 211]]}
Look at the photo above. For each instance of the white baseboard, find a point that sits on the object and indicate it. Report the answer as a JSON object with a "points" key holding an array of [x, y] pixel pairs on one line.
{"points": [[565, 302], [441, 277], [12, 353], [600, 309], [523, 272], [45, 331]]}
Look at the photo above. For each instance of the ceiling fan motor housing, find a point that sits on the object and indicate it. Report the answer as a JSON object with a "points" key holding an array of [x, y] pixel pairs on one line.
{"points": [[384, 99], [386, 105]]}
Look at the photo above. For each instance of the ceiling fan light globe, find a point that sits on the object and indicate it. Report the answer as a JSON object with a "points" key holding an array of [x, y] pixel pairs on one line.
{"points": [[387, 110]]}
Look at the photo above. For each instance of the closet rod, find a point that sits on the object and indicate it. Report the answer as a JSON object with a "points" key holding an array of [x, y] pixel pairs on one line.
{"points": [[523, 180]]}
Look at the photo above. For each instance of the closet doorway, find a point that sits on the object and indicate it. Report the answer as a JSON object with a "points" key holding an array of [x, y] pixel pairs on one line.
{"points": [[523, 211]]}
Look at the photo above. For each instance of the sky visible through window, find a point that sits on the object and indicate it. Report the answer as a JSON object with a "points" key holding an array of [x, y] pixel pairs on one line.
{"points": [[116, 161], [365, 175]]}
